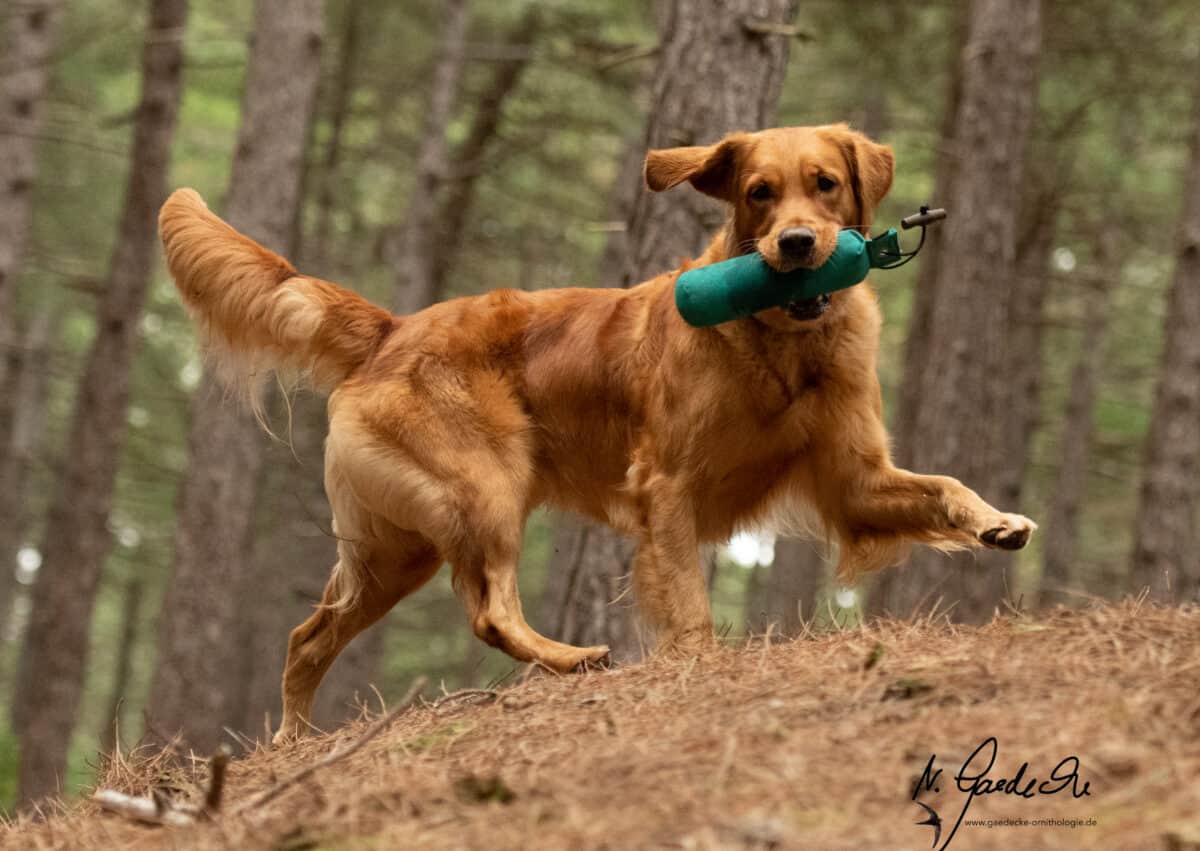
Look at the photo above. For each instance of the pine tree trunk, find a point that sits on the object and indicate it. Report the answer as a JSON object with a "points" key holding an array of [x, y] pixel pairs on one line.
{"points": [[716, 74], [966, 406], [200, 641], [1165, 561], [1060, 544], [123, 673], [414, 256], [77, 538], [28, 383], [30, 33], [1026, 324], [785, 592], [339, 110], [469, 158]]}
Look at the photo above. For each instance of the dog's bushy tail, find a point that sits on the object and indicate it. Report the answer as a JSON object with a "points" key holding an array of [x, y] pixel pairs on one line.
{"points": [[255, 311]]}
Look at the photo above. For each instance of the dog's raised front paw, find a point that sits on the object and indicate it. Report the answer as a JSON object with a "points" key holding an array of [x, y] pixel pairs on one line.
{"points": [[1011, 532]]}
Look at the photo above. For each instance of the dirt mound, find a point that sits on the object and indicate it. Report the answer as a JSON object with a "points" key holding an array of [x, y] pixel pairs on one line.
{"points": [[815, 743]]}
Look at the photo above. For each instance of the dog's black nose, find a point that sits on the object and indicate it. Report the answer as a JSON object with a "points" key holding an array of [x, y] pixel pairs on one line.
{"points": [[797, 243]]}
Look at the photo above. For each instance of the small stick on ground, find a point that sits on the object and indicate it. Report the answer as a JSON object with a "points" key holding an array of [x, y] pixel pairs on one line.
{"points": [[216, 779], [158, 808], [268, 795], [463, 694]]}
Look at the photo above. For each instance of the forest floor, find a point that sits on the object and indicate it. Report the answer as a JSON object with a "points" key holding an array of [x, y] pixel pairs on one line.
{"points": [[813, 743]]}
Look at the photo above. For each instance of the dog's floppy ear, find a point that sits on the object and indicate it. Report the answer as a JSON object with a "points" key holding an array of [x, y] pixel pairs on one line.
{"points": [[872, 167], [711, 168]]}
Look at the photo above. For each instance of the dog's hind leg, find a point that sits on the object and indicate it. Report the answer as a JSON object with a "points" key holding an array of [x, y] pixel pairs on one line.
{"points": [[485, 576], [374, 572], [467, 489]]}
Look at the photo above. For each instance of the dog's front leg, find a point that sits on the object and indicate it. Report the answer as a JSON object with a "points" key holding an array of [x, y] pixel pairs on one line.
{"points": [[667, 575], [887, 508]]}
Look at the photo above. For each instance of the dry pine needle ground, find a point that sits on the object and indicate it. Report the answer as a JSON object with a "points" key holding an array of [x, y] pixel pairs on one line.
{"points": [[808, 744]]}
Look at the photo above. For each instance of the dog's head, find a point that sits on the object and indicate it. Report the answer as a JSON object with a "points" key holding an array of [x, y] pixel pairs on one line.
{"points": [[792, 190]]}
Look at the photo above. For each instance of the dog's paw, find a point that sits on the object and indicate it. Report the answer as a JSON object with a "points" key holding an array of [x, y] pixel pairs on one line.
{"points": [[1010, 532], [597, 659], [288, 733]]}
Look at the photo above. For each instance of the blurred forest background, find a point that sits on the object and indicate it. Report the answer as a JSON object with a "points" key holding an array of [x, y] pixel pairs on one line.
{"points": [[156, 546]]}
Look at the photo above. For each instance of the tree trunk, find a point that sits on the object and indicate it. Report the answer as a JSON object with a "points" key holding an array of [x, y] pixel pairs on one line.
{"points": [[715, 75], [28, 382], [415, 255], [916, 343], [1026, 324], [77, 538], [587, 599], [784, 593], [966, 404], [291, 563], [1060, 544], [469, 157], [1165, 562], [130, 613], [30, 33], [339, 111], [201, 638]]}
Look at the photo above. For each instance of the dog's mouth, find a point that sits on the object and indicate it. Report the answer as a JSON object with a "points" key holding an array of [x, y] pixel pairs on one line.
{"points": [[809, 308]]}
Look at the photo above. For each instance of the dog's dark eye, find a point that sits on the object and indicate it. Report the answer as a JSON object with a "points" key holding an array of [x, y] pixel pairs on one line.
{"points": [[761, 192], [826, 184]]}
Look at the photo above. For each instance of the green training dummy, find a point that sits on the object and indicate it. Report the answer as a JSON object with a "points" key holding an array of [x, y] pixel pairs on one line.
{"points": [[737, 288]]}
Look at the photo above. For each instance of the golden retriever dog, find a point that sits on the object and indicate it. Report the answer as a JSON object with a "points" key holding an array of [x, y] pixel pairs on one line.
{"points": [[447, 427]]}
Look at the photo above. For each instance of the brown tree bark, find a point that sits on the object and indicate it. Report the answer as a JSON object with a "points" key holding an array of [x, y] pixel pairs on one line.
{"points": [[458, 194], [1165, 561], [1060, 541], [966, 403], [344, 80], [784, 593], [131, 607], [28, 383], [1026, 324], [717, 72], [200, 636], [916, 343], [30, 34], [414, 255], [77, 538]]}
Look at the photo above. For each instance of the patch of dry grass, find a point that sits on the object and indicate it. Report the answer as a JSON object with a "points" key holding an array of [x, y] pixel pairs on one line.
{"points": [[808, 744]]}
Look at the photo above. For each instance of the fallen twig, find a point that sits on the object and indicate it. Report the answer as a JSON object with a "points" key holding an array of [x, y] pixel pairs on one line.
{"points": [[463, 694], [268, 795], [158, 808], [216, 778]]}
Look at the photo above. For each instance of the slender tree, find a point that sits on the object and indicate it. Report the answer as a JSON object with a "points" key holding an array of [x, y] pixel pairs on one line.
{"points": [[29, 34], [470, 157], [340, 98], [918, 337], [1060, 544], [785, 592], [414, 256], [29, 37], [28, 384], [1164, 554], [200, 643], [77, 538], [966, 403], [720, 69]]}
